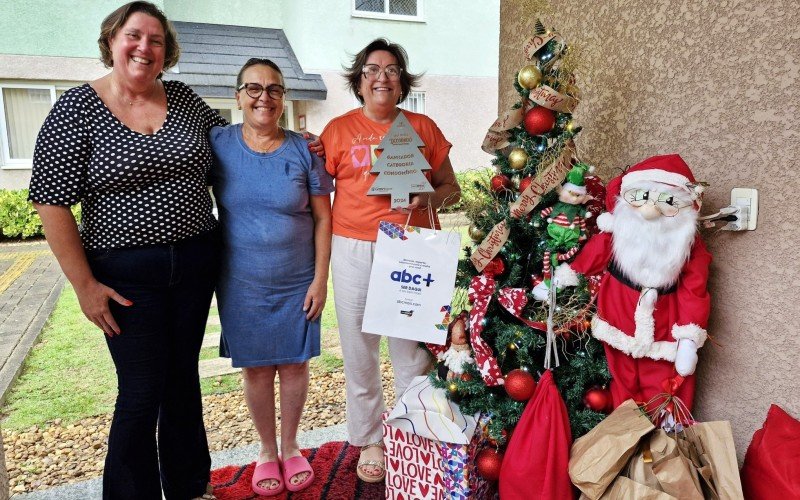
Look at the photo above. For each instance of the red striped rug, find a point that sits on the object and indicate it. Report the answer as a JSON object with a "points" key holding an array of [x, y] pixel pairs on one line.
{"points": [[334, 467]]}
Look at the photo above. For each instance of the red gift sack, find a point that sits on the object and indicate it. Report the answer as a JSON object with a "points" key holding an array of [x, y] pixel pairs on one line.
{"points": [[772, 464], [536, 462]]}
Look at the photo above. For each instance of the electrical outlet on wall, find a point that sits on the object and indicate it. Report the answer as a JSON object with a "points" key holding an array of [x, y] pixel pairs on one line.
{"points": [[746, 202]]}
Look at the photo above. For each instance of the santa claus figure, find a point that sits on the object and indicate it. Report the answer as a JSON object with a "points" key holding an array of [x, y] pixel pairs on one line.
{"points": [[458, 352], [652, 306]]}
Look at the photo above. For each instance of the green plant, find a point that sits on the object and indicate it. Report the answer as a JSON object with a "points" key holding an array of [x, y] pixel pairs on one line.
{"points": [[18, 218], [469, 180]]}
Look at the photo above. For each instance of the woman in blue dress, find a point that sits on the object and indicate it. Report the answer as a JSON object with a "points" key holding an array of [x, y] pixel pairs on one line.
{"points": [[273, 197]]}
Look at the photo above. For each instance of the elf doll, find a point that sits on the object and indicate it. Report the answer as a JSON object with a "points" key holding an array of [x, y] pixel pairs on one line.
{"points": [[566, 225], [652, 306]]}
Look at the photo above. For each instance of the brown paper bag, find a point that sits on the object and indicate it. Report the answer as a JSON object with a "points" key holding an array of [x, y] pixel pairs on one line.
{"points": [[662, 465], [713, 442], [599, 456], [652, 449], [624, 488]]}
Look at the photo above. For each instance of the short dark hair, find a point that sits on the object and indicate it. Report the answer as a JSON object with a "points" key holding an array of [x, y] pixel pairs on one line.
{"points": [[256, 61], [118, 18], [353, 74]]}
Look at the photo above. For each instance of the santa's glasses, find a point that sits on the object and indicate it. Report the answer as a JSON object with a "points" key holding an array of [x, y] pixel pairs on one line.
{"points": [[664, 202]]}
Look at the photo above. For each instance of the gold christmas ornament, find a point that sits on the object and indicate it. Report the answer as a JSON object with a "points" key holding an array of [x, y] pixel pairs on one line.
{"points": [[476, 234], [517, 158], [529, 77], [515, 181]]}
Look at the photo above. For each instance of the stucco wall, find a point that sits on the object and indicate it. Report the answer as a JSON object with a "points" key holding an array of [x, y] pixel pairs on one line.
{"points": [[463, 114], [718, 83]]}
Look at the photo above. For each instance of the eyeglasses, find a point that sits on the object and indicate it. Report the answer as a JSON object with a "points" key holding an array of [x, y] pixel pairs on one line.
{"points": [[664, 202], [373, 71], [255, 90]]}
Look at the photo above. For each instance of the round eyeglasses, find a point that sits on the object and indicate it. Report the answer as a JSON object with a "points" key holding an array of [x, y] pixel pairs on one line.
{"points": [[255, 90], [373, 71], [664, 202]]}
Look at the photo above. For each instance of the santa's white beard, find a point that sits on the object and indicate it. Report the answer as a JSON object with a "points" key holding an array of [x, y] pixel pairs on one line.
{"points": [[652, 253], [456, 359]]}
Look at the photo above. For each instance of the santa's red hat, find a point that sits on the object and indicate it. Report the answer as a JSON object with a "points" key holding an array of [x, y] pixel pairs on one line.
{"points": [[665, 169]]}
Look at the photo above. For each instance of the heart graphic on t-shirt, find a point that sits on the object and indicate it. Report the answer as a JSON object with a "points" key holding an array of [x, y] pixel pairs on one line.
{"points": [[360, 154]]}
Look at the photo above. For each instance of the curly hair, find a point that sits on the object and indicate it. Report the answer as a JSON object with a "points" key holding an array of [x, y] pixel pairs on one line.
{"points": [[118, 18], [354, 74]]}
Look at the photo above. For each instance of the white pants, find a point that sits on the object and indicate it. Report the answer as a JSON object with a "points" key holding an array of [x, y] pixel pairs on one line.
{"points": [[351, 262]]}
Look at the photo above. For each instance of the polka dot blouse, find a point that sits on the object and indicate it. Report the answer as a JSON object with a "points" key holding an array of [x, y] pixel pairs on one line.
{"points": [[135, 189]]}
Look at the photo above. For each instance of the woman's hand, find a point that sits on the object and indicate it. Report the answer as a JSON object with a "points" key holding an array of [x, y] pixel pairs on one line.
{"points": [[315, 299], [93, 298], [418, 202], [314, 144]]}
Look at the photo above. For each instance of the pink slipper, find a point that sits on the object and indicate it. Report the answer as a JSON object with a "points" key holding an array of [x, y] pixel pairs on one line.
{"points": [[297, 465], [265, 472]]}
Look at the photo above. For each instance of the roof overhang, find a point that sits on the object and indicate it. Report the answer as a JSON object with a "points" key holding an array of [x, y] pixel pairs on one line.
{"points": [[212, 54]]}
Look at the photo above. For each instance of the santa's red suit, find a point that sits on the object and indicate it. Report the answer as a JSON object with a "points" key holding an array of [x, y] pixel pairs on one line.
{"points": [[641, 328]]}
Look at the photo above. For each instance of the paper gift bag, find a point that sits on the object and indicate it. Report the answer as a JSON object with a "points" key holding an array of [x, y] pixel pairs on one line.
{"points": [[624, 488], [599, 456], [431, 447], [411, 283], [713, 442]]}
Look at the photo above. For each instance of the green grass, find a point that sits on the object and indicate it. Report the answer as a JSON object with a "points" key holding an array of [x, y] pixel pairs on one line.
{"points": [[209, 353], [67, 375], [326, 362], [221, 384]]}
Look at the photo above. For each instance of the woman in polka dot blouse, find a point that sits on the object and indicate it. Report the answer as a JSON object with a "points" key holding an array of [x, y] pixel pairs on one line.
{"points": [[133, 150]]}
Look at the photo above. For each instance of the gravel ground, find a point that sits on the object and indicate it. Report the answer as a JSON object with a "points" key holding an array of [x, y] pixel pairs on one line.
{"points": [[43, 457]]}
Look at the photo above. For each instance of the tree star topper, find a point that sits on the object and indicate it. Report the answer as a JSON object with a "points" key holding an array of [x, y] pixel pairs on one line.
{"points": [[400, 165]]}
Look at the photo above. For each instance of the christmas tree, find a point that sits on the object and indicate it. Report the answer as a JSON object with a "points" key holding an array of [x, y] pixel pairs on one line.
{"points": [[400, 165], [534, 214]]}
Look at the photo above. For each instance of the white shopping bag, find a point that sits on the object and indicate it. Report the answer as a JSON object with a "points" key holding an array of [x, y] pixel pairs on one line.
{"points": [[411, 283]]}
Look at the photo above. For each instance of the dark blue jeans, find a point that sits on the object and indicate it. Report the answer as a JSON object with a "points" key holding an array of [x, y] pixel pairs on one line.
{"points": [[156, 358]]}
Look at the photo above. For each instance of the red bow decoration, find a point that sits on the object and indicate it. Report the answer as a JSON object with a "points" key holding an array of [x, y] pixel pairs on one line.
{"points": [[481, 289], [514, 300]]}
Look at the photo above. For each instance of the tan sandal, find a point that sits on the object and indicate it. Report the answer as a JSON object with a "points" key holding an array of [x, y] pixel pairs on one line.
{"points": [[380, 464]]}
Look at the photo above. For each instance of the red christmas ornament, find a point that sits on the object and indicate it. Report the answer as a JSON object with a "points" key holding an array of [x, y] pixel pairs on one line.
{"points": [[539, 120], [524, 183], [495, 267], [489, 462], [500, 183], [466, 377], [597, 399], [520, 385]]}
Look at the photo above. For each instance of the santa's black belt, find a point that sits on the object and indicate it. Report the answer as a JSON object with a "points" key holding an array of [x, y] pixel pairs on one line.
{"points": [[615, 271]]}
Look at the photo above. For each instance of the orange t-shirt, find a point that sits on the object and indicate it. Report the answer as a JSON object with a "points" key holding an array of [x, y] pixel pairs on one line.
{"points": [[350, 141]]}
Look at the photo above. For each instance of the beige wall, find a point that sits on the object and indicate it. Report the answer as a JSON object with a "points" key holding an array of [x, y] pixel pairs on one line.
{"points": [[462, 107], [717, 82]]}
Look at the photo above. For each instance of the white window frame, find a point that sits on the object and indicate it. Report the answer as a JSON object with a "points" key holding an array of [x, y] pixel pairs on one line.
{"points": [[238, 117], [415, 94], [419, 18], [6, 162]]}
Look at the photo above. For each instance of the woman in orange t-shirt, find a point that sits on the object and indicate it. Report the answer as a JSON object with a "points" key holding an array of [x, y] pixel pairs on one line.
{"points": [[380, 79]]}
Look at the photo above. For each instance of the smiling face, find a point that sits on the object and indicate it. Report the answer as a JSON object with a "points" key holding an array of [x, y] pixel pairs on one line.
{"points": [[380, 92], [138, 48], [265, 111]]}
